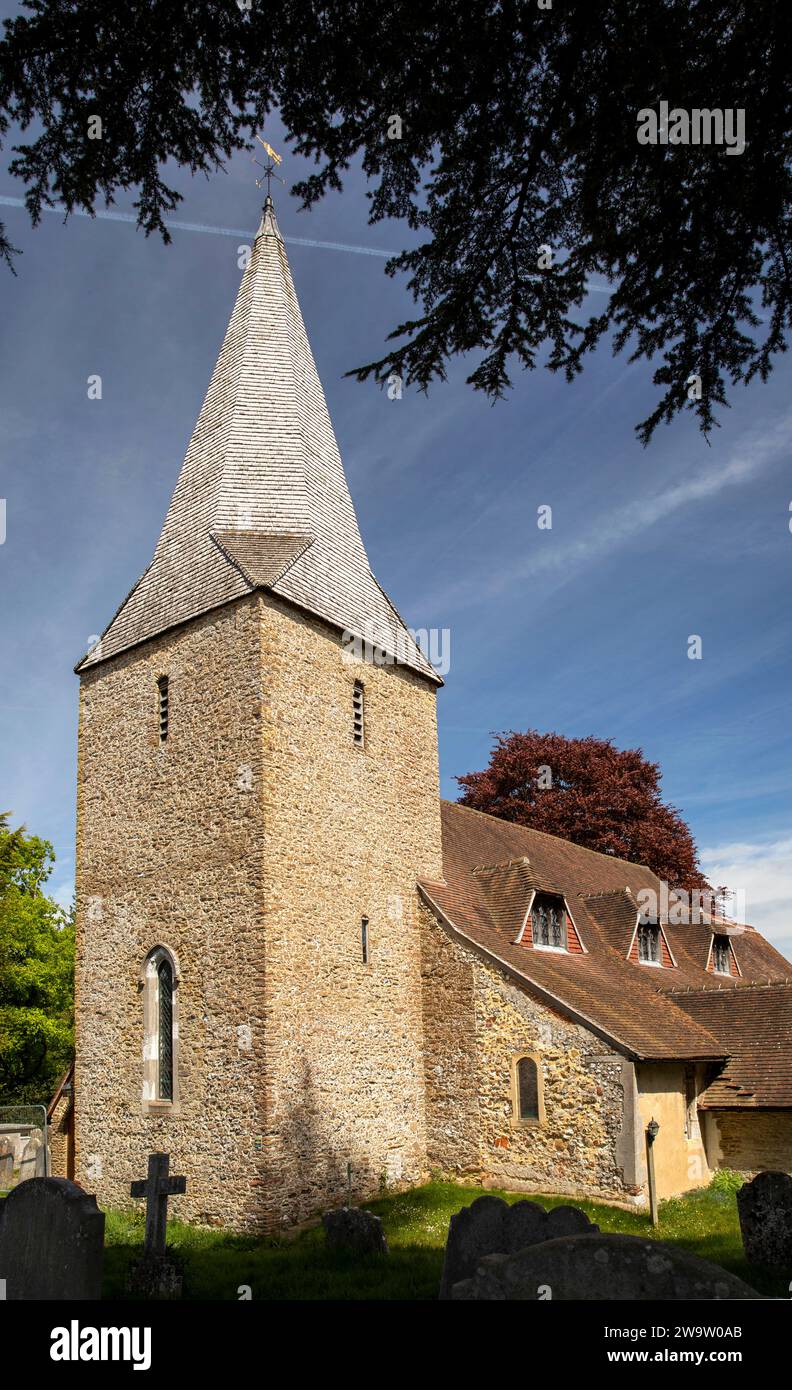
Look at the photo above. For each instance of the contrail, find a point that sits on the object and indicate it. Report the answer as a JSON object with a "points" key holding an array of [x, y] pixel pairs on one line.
{"points": [[108, 216], [9, 202]]}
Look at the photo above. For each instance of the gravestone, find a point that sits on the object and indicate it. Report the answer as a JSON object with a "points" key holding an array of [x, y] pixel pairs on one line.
{"points": [[490, 1226], [6, 1164], [157, 1275], [765, 1209], [34, 1158], [51, 1241], [599, 1268], [354, 1231]]}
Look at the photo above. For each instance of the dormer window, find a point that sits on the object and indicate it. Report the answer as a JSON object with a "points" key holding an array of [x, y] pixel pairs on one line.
{"points": [[721, 955], [649, 944], [548, 923], [721, 963]]}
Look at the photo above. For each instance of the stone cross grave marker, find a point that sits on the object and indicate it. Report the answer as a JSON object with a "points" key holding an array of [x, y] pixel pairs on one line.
{"points": [[156, 1189]]}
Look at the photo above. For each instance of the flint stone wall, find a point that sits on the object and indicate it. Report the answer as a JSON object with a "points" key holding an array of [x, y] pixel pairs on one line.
{"points": [[251, 843], [476, 1022]]}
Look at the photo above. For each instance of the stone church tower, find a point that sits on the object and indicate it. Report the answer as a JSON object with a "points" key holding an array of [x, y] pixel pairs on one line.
{"points": [[255, 806]]}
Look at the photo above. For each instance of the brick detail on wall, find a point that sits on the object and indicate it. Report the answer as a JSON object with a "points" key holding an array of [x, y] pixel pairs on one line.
{"points": [[749, 1140], [573, 940], [61, 1139]]}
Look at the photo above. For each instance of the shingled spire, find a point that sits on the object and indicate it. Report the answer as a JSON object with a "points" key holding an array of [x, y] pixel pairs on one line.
{"points": [[261, 501]]}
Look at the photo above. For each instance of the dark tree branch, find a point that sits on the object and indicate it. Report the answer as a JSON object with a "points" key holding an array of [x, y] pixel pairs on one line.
{"points": [[519, 129]]}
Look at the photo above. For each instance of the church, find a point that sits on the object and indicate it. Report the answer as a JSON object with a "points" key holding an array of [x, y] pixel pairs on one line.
{"points": [[298, 971]]}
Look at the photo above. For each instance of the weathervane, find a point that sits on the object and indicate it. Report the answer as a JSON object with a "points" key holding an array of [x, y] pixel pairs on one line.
{"points": [[269, 168]]}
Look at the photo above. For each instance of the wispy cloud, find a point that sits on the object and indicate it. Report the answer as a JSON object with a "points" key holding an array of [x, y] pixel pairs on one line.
{"points": [[753, 455], [763, 872], [756, 452]]}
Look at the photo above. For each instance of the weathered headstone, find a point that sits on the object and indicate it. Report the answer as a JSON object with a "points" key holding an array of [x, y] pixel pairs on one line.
{"points": [[490, 1226], [34, 1159], [354, 1231], [157, 1275], [6, 1164], [600, 1268], [51, 1241], [765, 1209]]}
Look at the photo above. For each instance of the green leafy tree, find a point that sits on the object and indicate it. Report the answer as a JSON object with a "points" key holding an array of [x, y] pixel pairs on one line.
{"points": [[36, 971], [497, 129]]}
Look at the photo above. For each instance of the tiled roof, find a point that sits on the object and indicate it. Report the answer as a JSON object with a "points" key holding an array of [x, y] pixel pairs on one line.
{"points": [[754, 1023], [628, 1004], [507, 890], [261, 500]]}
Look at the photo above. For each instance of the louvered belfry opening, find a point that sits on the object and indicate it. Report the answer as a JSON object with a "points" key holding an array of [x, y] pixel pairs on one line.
{"points": [[162, 687], [357, 714], [165, 1029]]}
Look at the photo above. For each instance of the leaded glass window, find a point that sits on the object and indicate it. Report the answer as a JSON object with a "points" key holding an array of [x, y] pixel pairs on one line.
{"points": [[720, 955], [165, 1029], [649, 944], [548, 922]]}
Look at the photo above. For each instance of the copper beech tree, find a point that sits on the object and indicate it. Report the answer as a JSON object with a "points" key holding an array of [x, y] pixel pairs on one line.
{"points": [[590, 792]]}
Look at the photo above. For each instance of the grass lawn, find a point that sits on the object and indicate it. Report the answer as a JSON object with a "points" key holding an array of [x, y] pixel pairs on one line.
{"points": [[216, 1262]]}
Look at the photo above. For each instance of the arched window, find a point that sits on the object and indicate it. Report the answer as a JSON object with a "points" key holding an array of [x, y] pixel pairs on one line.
{"points": [[159, 980], [165, 1029], [527, 1090]]}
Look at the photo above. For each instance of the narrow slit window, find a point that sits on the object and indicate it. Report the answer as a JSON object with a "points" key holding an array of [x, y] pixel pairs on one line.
{"points": [[357, 714], [364, 939], [158, 982], [527, 1089], [165, 1030], [162, 688]]}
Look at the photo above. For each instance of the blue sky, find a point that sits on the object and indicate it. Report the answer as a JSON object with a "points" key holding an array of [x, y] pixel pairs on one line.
{"points": [[581, 629]]}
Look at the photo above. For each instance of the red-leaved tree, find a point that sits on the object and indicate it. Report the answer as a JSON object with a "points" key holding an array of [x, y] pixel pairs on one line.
{"points": [[590, 792]]}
